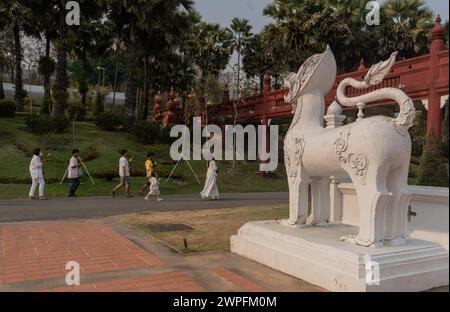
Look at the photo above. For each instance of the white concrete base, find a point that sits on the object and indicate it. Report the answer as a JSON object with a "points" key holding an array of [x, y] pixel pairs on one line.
{"points": [[317, 255]]}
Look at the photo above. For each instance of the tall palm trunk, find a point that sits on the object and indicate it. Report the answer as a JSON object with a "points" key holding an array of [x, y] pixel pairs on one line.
{"points": [[61, 67], [145, 89], [47, 74], [20, 92], [132, 81], [2, 91], [83, 85]]}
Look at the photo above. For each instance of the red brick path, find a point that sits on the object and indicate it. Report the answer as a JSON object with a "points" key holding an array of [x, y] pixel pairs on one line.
{"points": [[237, 280], [40, 251], [165, 282]]}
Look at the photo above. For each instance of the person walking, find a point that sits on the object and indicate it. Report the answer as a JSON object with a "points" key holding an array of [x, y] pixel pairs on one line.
{"points": [[210, 191], [150, 168], [124, 173], [37, 175], [74, 173], [154, 188]]}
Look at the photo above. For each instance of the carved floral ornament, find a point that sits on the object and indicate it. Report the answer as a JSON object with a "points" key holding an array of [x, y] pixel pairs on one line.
{"points": [[357, 162], [294, 157]]}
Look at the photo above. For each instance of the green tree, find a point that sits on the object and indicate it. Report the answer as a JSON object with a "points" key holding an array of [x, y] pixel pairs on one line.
{"points": [[44, 26], [162, 48], [405, 27], [209, 46], [130, 18], [432, 170], [304, 27], [2, 67], [91, 39], [256, 62], [15, 14], [63, 44], [241, 30]]}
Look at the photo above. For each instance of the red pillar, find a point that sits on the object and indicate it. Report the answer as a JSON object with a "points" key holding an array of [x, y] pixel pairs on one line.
{"points": [[434, 120]]}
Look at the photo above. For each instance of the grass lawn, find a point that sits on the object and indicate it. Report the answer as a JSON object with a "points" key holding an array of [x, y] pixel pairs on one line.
{"points": [[15, 153], [211, 228]]}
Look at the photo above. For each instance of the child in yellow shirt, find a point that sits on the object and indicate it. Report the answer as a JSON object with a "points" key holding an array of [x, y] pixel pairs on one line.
{"points": [[150, 168]]}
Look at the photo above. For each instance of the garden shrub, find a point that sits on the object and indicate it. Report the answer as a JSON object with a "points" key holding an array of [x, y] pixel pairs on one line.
{"points": [[47, 104], [7, 108], [59, 124], [108, 175], [108, 121], [432, 170], [98, 105], [164, 136], [43, 124], [111, 174], [76, 112], [146, 132]]}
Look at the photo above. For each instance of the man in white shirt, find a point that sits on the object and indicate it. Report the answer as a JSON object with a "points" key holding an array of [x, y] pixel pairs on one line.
{"points": [[124, 173], [37, 175], [73, 173]]}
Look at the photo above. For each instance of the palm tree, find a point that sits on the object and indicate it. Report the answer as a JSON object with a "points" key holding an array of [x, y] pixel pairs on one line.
{"points": [[15, 14], [241, 35], [302, 28], [45, 27], [2, 66], [162, 47], [130, 18], [209, 46], [406, 27], [91, 38]]}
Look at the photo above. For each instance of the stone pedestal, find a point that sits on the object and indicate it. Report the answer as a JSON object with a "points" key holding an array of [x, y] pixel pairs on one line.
{"points": [[317, 255]]}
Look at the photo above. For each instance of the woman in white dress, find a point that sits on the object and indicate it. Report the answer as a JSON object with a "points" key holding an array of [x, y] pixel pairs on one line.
{"points": [[37, 175], [210, 191]]}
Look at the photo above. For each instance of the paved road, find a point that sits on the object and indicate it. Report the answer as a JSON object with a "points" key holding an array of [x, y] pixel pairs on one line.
{"points": [[99, 207]]}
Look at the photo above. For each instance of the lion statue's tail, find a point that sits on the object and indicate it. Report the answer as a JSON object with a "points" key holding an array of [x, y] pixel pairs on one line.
{"points": [[375, 75]]}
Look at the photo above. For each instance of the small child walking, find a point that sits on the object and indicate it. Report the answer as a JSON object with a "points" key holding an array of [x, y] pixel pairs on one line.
{"points": [[150, 167], [154, 188]]}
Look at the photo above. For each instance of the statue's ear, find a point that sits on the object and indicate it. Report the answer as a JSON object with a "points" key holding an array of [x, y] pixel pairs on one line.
{"points": [[377, 72]]}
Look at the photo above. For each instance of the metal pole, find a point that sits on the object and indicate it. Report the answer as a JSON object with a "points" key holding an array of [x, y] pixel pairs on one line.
{"points": [[64, 177], [89, 175]]}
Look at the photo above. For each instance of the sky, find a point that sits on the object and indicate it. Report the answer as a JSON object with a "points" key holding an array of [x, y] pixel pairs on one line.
{"points": [[223, 11]]}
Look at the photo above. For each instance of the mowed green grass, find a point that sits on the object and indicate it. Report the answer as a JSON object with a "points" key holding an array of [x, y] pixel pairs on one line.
{"points": [[16, 145]]}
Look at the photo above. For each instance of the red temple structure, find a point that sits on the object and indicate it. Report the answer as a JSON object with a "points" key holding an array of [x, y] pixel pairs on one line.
{"points": [[425, 79]]}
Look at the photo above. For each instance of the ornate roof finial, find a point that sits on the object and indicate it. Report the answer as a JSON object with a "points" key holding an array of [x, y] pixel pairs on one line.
{"points": [[158, 97], [438, 31], [438, 19]]}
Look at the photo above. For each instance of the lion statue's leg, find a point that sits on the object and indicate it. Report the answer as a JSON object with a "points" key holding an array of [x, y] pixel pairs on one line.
{"points": [[373, 201], [397, 212], [320, 201], [298, 199]]}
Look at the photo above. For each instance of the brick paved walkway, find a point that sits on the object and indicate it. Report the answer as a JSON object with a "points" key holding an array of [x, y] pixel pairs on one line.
{"points": [[164, 282], [37, 251], [33, 257]]}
